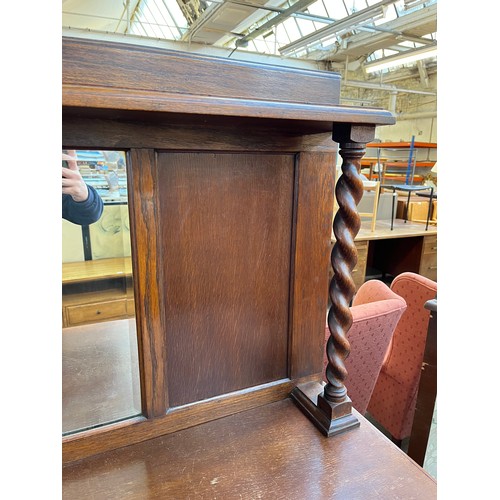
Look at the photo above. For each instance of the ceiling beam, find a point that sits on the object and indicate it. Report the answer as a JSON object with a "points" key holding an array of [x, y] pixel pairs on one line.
{"points": [[418, 23], [388, 88], [301, 4], [346, 23]]}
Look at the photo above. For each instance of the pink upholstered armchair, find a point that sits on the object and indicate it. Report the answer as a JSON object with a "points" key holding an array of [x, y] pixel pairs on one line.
{"points": [[393, 400], [376, 311]]}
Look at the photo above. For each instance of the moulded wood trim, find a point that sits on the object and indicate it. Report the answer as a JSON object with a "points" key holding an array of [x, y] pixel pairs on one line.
{"points": [[111, 98], [135, 430]]}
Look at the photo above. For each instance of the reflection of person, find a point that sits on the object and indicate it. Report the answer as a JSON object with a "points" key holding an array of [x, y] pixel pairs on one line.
{"points": [[81, 204]]}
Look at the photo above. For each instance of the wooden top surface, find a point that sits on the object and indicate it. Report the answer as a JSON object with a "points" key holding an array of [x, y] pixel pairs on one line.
{"points": [[90, 270], [272, 452], [110, 75], [401, 230]]}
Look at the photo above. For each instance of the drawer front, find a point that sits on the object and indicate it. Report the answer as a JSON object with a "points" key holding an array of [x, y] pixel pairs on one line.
{"points": [[430, 244], [428, 266], [99, 311]]}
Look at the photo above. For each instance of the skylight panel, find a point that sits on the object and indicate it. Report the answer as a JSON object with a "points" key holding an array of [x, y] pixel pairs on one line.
{"points": [[306, 27], [159, 19], [261, 46], [282, 37], [389, 52], [177, 15], [358, 5], [318, 9], [337, 10], [292, 29]]}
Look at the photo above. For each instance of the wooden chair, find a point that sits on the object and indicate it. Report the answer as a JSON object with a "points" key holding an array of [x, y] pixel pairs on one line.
{"points": [[376, 311], [372, 186]]}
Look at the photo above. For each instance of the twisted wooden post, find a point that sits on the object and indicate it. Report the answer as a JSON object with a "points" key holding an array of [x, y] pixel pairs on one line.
{"points": [[331, 409], [347, 222]]}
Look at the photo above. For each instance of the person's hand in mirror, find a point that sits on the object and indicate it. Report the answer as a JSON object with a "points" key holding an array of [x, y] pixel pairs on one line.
{"points": [[72, 181], [81, 204]]}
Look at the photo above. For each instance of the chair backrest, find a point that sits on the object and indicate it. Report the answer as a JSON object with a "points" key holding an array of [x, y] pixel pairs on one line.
{"points": [[394, 396], [376, 311], [375, 187], [406, 350]]}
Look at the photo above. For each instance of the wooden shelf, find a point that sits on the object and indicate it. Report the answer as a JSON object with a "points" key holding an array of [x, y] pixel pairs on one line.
{"points": [[397, 156], [402, 164], [402, 145], [369, 161], [388, 178]]}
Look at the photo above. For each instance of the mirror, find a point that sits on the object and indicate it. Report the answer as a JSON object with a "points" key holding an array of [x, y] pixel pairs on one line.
{"points": [[100, 371]]}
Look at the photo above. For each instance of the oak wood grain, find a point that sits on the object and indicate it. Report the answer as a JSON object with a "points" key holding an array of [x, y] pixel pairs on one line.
{"points": [[269, 452], [315, 183], [148, 279], [136, 129], [146, 78], [225, 238], [103, 97], [164, 71]]}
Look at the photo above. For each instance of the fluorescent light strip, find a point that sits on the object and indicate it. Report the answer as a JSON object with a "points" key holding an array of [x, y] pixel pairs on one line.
{"points": [[404, 58]]}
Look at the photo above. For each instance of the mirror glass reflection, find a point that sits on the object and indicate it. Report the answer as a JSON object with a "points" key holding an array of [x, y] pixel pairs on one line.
{"points": [[100, 373]]}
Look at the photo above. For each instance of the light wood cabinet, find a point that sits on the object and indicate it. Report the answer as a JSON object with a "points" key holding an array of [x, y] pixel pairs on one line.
{"points": [[428, 260], [406, 248], [96, 311], [359, 272], [97, 290]]}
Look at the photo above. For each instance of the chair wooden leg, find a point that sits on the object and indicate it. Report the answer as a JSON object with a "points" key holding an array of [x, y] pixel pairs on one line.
{"points": [[375, 206]]}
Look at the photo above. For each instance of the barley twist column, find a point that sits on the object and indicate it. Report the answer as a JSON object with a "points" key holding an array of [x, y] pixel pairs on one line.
{"points": [[334, 401], [329, 407], [347, 222]]}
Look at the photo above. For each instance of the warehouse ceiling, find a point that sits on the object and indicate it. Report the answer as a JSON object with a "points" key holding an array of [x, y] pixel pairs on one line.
{"points": [[352, 37]]}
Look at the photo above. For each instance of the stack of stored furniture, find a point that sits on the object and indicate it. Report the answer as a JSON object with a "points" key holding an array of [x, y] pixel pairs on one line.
{"points": [[396, 158]]}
